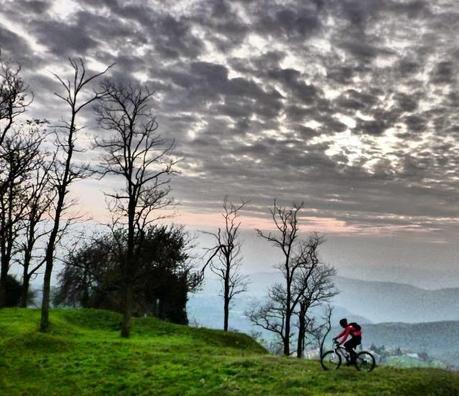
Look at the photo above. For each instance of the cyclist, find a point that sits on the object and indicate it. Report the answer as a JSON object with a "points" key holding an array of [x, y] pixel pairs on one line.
{"points": [[353, 330]]}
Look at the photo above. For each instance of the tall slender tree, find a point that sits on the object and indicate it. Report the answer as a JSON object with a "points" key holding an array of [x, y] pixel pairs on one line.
{"points": [[225, 257], [135, 152], [286, 238], [65, 172], [314, 285]]}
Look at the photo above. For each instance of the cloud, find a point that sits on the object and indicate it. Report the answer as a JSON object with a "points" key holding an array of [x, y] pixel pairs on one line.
{"points": [[348, 105]]}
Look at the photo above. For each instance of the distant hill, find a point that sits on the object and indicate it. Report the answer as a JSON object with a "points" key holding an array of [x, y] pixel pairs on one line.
{"points": [[206, 307], [207, 310], [375, 301], [396, 302], [438, 339]]}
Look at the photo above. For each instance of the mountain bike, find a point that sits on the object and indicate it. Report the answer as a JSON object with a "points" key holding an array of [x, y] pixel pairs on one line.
{"points": [[331, 360]]}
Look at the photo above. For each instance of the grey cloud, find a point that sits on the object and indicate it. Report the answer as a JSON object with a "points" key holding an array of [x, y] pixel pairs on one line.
{"points": [[444, 73], [407, 103], [291, 80], [15, 46], [354, 100], [63, 39], [296, 24], [252, 114], [32, 6], [415, 123]]}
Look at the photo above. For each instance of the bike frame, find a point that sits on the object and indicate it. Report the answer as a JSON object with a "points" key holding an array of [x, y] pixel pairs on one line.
{"points": [[340, 350]]}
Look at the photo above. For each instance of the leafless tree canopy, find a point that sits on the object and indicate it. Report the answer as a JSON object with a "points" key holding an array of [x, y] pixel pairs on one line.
{"points": [[306, 281], [135, 151], [225, 257], [14, 96]]}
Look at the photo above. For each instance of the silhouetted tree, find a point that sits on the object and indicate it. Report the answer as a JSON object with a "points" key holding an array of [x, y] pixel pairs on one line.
{"points": [[13, 102], [136, 152], [19, 156], [64, 171], [225, 257], [305, 283], [314, 283], [276, 315]]}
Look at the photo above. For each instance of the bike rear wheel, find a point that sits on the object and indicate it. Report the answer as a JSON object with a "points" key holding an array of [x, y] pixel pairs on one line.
{"points": [[365, 361], [330, 360]]}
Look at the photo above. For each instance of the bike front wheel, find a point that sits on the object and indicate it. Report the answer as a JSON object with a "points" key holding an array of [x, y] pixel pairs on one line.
{"points": [[365, 361], [330, 360]]}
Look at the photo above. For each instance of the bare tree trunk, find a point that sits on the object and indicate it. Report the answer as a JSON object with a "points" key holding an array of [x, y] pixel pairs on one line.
{"points": [[127, 312], [3, 282], [226, 303], [26, 265], [288, 312], [44, 319], [301, 331], [25, 291], [25, 279], [128, 266], [287, 333], [4, 266], [7, 238]]}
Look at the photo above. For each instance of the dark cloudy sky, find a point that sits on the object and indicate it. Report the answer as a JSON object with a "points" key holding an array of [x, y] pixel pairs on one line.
{"points": [[348, 105]]}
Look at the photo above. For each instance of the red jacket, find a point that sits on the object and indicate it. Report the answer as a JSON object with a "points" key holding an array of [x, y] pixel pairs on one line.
{"points": [[349, 330]]}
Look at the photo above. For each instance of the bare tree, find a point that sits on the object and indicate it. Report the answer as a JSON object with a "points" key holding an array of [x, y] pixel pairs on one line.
{"points": [[285, 238], [18, 158], [13, 96], [65, 172], [314, 284], [40, 198], [13, 102], [306, 281], [225, 257], [136, 152]]}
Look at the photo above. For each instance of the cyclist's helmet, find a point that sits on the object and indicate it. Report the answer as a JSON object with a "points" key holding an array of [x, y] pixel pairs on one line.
{"points": [[343, 322]]}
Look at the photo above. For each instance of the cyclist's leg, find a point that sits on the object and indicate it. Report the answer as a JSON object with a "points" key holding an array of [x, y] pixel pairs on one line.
{"points": [[350, 345]]}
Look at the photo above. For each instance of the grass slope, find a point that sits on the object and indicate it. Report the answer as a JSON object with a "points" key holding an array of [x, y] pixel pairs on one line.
{"points": [[84, 355]]}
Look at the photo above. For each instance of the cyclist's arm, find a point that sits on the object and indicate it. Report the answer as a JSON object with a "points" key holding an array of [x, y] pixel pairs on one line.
{"points": [[340, 334], [344, 334]]}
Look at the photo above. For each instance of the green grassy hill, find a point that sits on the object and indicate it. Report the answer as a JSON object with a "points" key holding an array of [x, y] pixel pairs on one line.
{"points": [[84, 355]]}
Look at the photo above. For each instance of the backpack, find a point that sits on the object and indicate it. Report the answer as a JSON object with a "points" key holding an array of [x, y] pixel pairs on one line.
{"points": [[355, 326]]}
